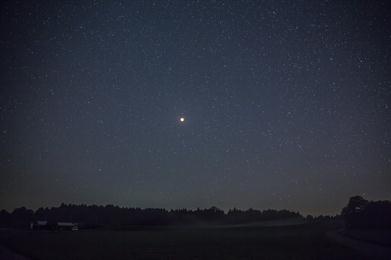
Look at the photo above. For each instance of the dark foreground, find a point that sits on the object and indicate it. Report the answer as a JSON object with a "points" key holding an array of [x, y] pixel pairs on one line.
{"points": [[300, 242]]}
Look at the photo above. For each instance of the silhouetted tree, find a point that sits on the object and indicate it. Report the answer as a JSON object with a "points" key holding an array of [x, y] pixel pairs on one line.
{"points": [[5, 218], [360, 213], [21, 217]]}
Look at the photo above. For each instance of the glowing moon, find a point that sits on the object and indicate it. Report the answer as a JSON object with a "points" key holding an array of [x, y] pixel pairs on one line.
{"points": [[182, 119]]}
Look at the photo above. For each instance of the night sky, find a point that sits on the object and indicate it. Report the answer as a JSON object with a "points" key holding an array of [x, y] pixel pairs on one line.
{"points": [[286, 104]]}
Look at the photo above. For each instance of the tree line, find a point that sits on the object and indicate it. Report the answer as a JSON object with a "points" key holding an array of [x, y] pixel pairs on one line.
{"points": [[358, 213], [114, 216]]}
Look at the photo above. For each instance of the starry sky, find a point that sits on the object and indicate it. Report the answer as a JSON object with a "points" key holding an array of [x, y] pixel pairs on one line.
{"points": [[286, 103]]}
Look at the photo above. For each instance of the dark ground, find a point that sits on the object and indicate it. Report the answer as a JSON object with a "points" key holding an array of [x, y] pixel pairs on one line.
{"points": [[299, 242]]}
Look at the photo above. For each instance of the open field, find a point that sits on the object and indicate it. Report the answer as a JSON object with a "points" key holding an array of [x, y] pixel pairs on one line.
{"points": [[377, 236], [300, 242]]}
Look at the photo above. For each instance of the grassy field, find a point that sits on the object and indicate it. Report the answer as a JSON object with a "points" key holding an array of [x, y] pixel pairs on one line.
{"points": [[300, 242]]}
